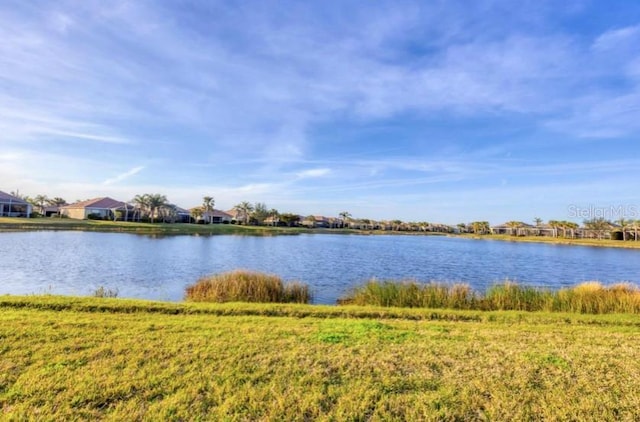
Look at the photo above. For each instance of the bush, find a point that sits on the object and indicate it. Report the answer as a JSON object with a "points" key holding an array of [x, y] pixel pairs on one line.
{"points": [[104, 292], [247, 286]]}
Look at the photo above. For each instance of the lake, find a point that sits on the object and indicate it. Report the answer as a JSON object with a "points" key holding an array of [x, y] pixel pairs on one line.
{"points": [[77, 263]]}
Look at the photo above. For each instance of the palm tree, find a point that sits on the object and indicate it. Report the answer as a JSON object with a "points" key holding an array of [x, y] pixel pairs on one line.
{"points": [[245, 208], [635, 225], [571, 226], [514, 226], [537, 221], [168, 213], [154, 202], [554, 225], [196, 213], [260, 212], [207, 207], [40, 201], [598, 225], [480, 227], [624, 225], [141, 204], [57, 202], [562, 225], [274, 214], [17, 194], [345, 216]]}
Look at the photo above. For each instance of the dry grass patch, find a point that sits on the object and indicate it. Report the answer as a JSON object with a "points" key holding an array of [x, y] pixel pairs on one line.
{"points": [[247, 286]]}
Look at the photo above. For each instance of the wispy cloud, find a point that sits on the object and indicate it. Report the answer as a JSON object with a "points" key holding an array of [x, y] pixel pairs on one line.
{"points": [[123, 176], [313, 173], [312, 100]]}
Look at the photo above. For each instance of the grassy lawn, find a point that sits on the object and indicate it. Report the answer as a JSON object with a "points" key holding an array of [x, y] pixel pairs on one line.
{"points": [[86, 358], [142, 228], [558, 240]]}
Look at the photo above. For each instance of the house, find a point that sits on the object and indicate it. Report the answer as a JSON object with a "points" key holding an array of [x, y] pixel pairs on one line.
{"points": [[98, 208], [12, 206], [238, 215], [317, 221], [216, 217], [514, 228], [181, 215], [50, 210]]}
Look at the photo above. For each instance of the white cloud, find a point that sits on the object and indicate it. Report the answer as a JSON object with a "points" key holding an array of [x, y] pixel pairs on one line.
{"points": [[123, 176], [617, 38], [313, 173]]}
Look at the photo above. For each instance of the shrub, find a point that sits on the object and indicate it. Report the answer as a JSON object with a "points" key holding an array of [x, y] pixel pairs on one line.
{"points": [[104, 292], [247, 286]]}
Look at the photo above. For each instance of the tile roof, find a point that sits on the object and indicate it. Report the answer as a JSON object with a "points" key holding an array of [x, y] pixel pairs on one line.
{"points": [[6, 197], [180, 210], [105, 203], [218, 213]]}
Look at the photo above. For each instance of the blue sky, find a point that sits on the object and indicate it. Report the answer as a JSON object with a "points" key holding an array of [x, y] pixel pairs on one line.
{"points": [[442, 111]]}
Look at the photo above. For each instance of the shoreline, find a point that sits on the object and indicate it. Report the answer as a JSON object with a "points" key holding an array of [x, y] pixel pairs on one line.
{"points": [[25, 225]]}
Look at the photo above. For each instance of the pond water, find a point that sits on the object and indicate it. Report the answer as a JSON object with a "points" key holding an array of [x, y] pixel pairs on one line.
{"points": [[77, 263]]}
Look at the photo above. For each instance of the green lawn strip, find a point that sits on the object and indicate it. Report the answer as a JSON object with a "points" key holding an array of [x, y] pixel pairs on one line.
{"points": [[606, 243], [13, 224], [81, 364], [131, 306]]}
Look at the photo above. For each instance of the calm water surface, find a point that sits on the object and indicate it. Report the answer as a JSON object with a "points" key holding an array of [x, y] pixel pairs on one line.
{"points": [[77, 263]]}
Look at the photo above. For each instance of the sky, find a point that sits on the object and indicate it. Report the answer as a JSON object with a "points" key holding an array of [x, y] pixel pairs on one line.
{"points": [[441, 111]]}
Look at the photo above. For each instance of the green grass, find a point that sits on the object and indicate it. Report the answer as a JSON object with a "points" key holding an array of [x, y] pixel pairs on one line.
{"points": [[112, 359], [247, 286], [22, 224], [590, 298], [607, 243]]}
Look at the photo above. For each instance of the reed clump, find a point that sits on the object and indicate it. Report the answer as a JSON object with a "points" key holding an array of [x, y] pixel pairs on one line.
{"points": [[594, 298], [247, 286], [411, 294], [585, 298], [510, 296]]}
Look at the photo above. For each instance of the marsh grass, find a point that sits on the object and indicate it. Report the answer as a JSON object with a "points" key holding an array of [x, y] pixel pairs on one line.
{"points": [[247, 286], [411, 294], [586, 298]]}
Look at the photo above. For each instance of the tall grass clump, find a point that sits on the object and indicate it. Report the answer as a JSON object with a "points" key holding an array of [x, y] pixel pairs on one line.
{"points": [[410, 294], [594, 298], [247, 286], [510, 296], [586, 298]]}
